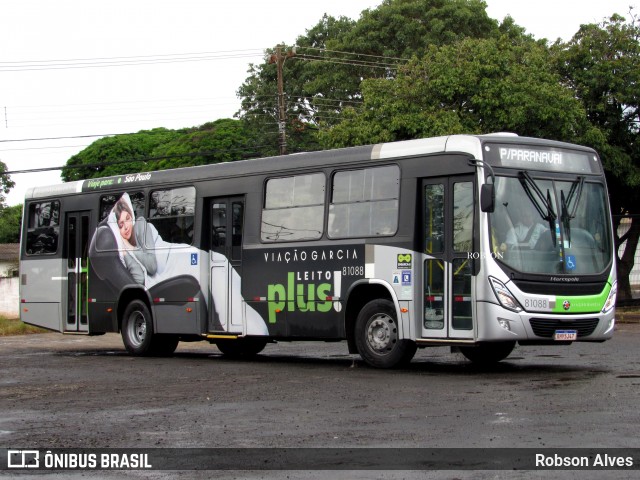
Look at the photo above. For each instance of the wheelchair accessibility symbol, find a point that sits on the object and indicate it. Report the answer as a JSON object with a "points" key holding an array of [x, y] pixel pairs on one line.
{"points": [[570, 262]]}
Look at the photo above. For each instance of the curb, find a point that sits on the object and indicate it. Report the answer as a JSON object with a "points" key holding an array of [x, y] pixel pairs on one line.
{"points": [[627, 318]]}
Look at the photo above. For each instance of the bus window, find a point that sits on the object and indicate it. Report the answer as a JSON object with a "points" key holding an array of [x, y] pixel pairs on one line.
{"points": [[462, 216], [108, 201], [293, 208], [172, 212], [43, 228], [434, 218], [364, 203]]}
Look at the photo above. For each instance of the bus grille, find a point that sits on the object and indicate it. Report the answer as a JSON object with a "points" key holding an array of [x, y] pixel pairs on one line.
{"points": [[546, 328]]}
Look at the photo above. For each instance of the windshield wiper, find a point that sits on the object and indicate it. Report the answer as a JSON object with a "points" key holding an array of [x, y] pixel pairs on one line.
{"points": [[543, 205], [576, 190]]}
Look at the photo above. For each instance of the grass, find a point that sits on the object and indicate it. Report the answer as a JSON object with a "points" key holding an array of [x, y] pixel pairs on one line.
{"points": [[13, 326]]}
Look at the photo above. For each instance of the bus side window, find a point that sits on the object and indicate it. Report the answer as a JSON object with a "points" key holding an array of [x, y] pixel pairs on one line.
{"points": [[462, 216], [108, 201], [43, 228], [364, 203], [172, 212], [293, 208], [434, 218]]}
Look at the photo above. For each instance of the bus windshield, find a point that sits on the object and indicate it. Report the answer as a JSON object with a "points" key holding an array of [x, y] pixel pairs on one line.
{"points": [[545, 226]]}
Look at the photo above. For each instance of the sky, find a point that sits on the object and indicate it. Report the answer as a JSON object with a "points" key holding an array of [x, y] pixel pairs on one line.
{"points": [[74, 70]]}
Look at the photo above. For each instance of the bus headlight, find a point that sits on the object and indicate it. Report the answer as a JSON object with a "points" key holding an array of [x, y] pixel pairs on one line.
{"points": [[611, 299], [504, 296]]}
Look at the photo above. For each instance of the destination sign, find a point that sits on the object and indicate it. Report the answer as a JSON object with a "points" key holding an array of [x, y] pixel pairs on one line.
{"points": [[540, 158]]}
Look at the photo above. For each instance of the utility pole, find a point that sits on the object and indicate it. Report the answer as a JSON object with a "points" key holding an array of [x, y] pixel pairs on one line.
{"points": [[279, 58]]}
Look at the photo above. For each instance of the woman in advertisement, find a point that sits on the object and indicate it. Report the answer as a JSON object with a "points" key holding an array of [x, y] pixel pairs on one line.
{"points": [[134, 253]]}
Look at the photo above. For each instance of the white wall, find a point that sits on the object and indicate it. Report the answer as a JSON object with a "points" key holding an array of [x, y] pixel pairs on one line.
{"points": [[9, 298]]}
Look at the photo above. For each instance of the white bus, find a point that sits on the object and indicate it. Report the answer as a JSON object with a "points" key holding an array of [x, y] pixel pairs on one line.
{"points": [[474, 242]]}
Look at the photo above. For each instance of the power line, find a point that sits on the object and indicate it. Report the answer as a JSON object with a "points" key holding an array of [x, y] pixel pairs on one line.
{"points": [[157, 111], [99, 62], [41, 148], [62, 138], [136, 56], [356, 63], [127, 102], [124, 61]]}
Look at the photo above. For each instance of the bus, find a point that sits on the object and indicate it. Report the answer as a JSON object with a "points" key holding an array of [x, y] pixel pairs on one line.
{"points": [[475, 242]]}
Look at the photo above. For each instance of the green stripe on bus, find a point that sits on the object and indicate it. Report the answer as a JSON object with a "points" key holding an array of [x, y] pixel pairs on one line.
{"points": [[582, 303]]}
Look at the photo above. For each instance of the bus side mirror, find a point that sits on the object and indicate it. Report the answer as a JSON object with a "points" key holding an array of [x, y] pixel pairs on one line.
{"points": [[488, 198]]}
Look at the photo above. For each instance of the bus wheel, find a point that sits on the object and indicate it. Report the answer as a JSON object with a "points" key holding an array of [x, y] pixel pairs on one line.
{"points": [[376, 336], [137, 328], [488, 353], [242, 347]]}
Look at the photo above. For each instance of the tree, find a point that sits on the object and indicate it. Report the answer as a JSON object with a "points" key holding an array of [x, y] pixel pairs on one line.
{"points": [[223, 140], [259, 107], [601, 63], [219, 141], [471, 86], [408, 28], [116, 155], [332, 59], [10, 223], [6, 184]]}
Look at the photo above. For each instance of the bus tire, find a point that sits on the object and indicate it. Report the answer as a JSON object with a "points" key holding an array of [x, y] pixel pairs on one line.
{"points": [[376, 336], [488, 353], [242, 347], [137, 329]]}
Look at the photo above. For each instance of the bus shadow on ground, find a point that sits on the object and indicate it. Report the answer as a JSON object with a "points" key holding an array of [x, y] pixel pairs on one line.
{"points": [[452, 364], [445, 364]]}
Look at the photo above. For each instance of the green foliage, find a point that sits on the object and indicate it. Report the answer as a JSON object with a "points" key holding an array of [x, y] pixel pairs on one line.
{"points": [[108, 156], [470, 86], [220, 141], [10, 223], [259, 93], [6, 183], [602, 65], [332, 59], [224, 140], [408, 28]]}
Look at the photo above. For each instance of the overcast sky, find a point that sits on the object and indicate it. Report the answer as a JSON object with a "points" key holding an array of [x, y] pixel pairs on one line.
{"points": [[74, 68]]}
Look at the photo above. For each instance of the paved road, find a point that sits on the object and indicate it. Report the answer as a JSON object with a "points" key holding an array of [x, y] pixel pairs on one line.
{"points": [[69, 392]]}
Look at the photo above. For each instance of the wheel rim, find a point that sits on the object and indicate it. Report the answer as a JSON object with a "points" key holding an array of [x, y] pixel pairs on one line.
{"points": [[382, 333], [137, 329]]}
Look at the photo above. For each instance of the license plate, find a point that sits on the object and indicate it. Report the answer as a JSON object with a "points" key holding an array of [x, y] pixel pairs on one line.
{"points": [[565, 335]]}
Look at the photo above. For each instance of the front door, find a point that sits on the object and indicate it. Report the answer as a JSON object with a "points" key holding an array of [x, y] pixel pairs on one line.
{"points": [[448, 219], [225, 257], [77, 263]]}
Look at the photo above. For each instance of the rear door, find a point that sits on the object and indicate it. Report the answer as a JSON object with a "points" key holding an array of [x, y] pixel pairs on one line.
{"points": [[77, 264], [227, 222]]}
